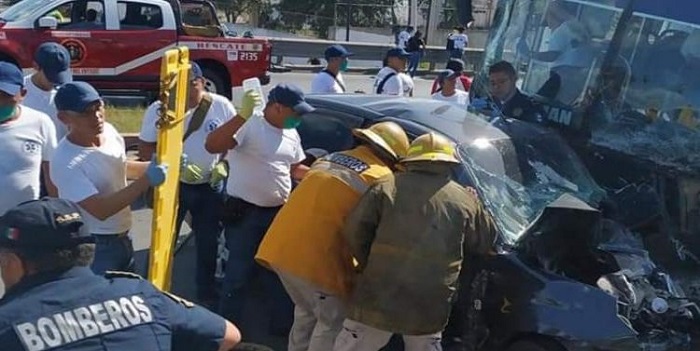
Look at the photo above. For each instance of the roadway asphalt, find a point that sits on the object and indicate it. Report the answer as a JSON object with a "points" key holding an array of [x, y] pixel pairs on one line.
{"points": [[183, 271]]}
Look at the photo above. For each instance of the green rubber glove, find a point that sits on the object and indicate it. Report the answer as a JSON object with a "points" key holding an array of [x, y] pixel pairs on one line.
{"points": [[218, 174], [250, 101], [189, 173]]}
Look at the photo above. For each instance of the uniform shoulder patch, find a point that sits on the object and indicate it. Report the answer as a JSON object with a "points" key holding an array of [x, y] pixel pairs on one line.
{"points": [[179, 299], [120, 274], [348, 161]]}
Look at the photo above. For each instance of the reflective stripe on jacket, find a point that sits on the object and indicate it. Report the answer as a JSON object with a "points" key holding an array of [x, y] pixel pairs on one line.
{"points": [[304, 239]]}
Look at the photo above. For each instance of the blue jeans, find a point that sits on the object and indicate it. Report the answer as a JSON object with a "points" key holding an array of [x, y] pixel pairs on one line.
{"points": [[243, 237], [113, 252], [456, 53], [204, 205], [414, 62]]}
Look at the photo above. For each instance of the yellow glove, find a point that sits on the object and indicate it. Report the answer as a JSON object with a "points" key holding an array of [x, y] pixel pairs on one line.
{"points": [[219, 173], [191, 173], [250, 101]]}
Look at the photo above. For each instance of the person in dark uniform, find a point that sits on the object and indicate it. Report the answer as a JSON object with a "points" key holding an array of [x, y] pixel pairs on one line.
{"points": [[54, 301], [506, 97]]}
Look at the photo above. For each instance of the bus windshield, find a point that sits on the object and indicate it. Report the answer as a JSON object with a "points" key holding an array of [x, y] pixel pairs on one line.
{"points": [[625, 68]]}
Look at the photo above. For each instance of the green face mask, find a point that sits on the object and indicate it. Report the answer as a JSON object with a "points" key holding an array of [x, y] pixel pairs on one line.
{"points": [[6, 112], [344, 66], [291, 122]]}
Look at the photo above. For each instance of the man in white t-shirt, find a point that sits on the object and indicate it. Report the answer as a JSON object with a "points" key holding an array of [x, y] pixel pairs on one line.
{"points": [[403, 37], [391, 80], [460, 41], [28, 138], [52, 65], [330, 80], [448, 90], [566, 31], [264, 153], [90, 168], [201, 176]]}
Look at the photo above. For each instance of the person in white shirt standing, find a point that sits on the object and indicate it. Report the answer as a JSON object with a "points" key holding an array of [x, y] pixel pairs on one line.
{"points": [[264, 153], [201, 176], [460, 41], [391, 80], [90, 168], [28, 138], [448, 90], [330, 80], [52, 65], [403, 37]]}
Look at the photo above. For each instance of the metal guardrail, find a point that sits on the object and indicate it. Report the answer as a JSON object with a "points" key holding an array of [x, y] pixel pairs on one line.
{"points": [[306, 48]]}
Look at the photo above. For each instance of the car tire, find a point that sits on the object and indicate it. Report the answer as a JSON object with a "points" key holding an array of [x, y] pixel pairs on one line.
{"points": [[246, 346], [215, 82], [535, 345]]}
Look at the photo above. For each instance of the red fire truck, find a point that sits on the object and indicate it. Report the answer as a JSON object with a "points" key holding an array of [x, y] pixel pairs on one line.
{"points": [[117, 45]]}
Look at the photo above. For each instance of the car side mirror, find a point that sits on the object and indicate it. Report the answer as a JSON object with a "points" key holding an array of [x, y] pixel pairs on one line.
{"points": [[247, 34], [48, 22]]}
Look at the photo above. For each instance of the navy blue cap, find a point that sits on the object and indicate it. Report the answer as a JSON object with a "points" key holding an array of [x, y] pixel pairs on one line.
{"points": [[447, 74], [291, 96], [196, 71], [47, 223], [337, 51], [397, 52], [54, 61], [75, 96], [11, 78], [455, 64]]}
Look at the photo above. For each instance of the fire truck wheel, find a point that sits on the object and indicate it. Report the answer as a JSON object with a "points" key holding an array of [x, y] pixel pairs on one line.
{"points": [[215, 82]]}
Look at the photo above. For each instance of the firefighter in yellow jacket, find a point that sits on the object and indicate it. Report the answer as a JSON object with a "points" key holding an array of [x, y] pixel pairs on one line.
{"points": [[304, 244]]}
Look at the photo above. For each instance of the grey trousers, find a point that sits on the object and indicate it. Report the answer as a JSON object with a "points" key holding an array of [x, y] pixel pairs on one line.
{"points": [[318, 316]]}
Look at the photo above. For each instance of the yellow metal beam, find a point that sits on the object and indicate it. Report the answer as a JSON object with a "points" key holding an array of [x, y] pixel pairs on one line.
{"points": [[174, 82]]}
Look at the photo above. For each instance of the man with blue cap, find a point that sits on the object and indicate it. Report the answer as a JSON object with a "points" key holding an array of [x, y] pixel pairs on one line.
{"points": [[201, 176], [264, 152], [391, 80], [28, 138], [52, 65], [330, 80], [53, 301], [448, 91], [90, 168]]}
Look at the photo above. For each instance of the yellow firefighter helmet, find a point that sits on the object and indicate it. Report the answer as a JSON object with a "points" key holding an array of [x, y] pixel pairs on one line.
{"points": [[431, 147], [387, 136]]}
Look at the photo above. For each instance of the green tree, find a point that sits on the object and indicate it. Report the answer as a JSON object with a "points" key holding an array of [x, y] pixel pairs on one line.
{"points": [[234, 8], [320, 15]]}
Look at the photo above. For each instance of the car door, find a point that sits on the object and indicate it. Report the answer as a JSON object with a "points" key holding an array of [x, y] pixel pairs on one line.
{"points": [[146, 29], [83, 31]]}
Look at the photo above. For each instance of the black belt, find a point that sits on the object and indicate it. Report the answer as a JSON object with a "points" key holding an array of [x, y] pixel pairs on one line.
{"points": [[247, 204]]}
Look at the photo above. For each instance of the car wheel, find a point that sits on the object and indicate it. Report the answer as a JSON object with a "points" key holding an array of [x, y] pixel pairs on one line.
{"points": [[245, 346], [214, 82], [535, 345]]}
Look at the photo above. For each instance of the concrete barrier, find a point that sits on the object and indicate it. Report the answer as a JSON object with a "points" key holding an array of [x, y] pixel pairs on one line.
{"points": [[307, 48]]}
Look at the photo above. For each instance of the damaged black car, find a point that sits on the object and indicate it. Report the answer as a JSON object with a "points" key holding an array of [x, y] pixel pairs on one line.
{"points": [[566, 275]]}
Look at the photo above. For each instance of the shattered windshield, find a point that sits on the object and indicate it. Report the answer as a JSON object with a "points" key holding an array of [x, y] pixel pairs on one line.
{"points": [[624, 71], [519, 176], [23, 9]]}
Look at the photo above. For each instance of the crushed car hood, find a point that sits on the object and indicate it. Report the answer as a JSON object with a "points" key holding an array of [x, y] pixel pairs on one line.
{"points": [[566, 222]]}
